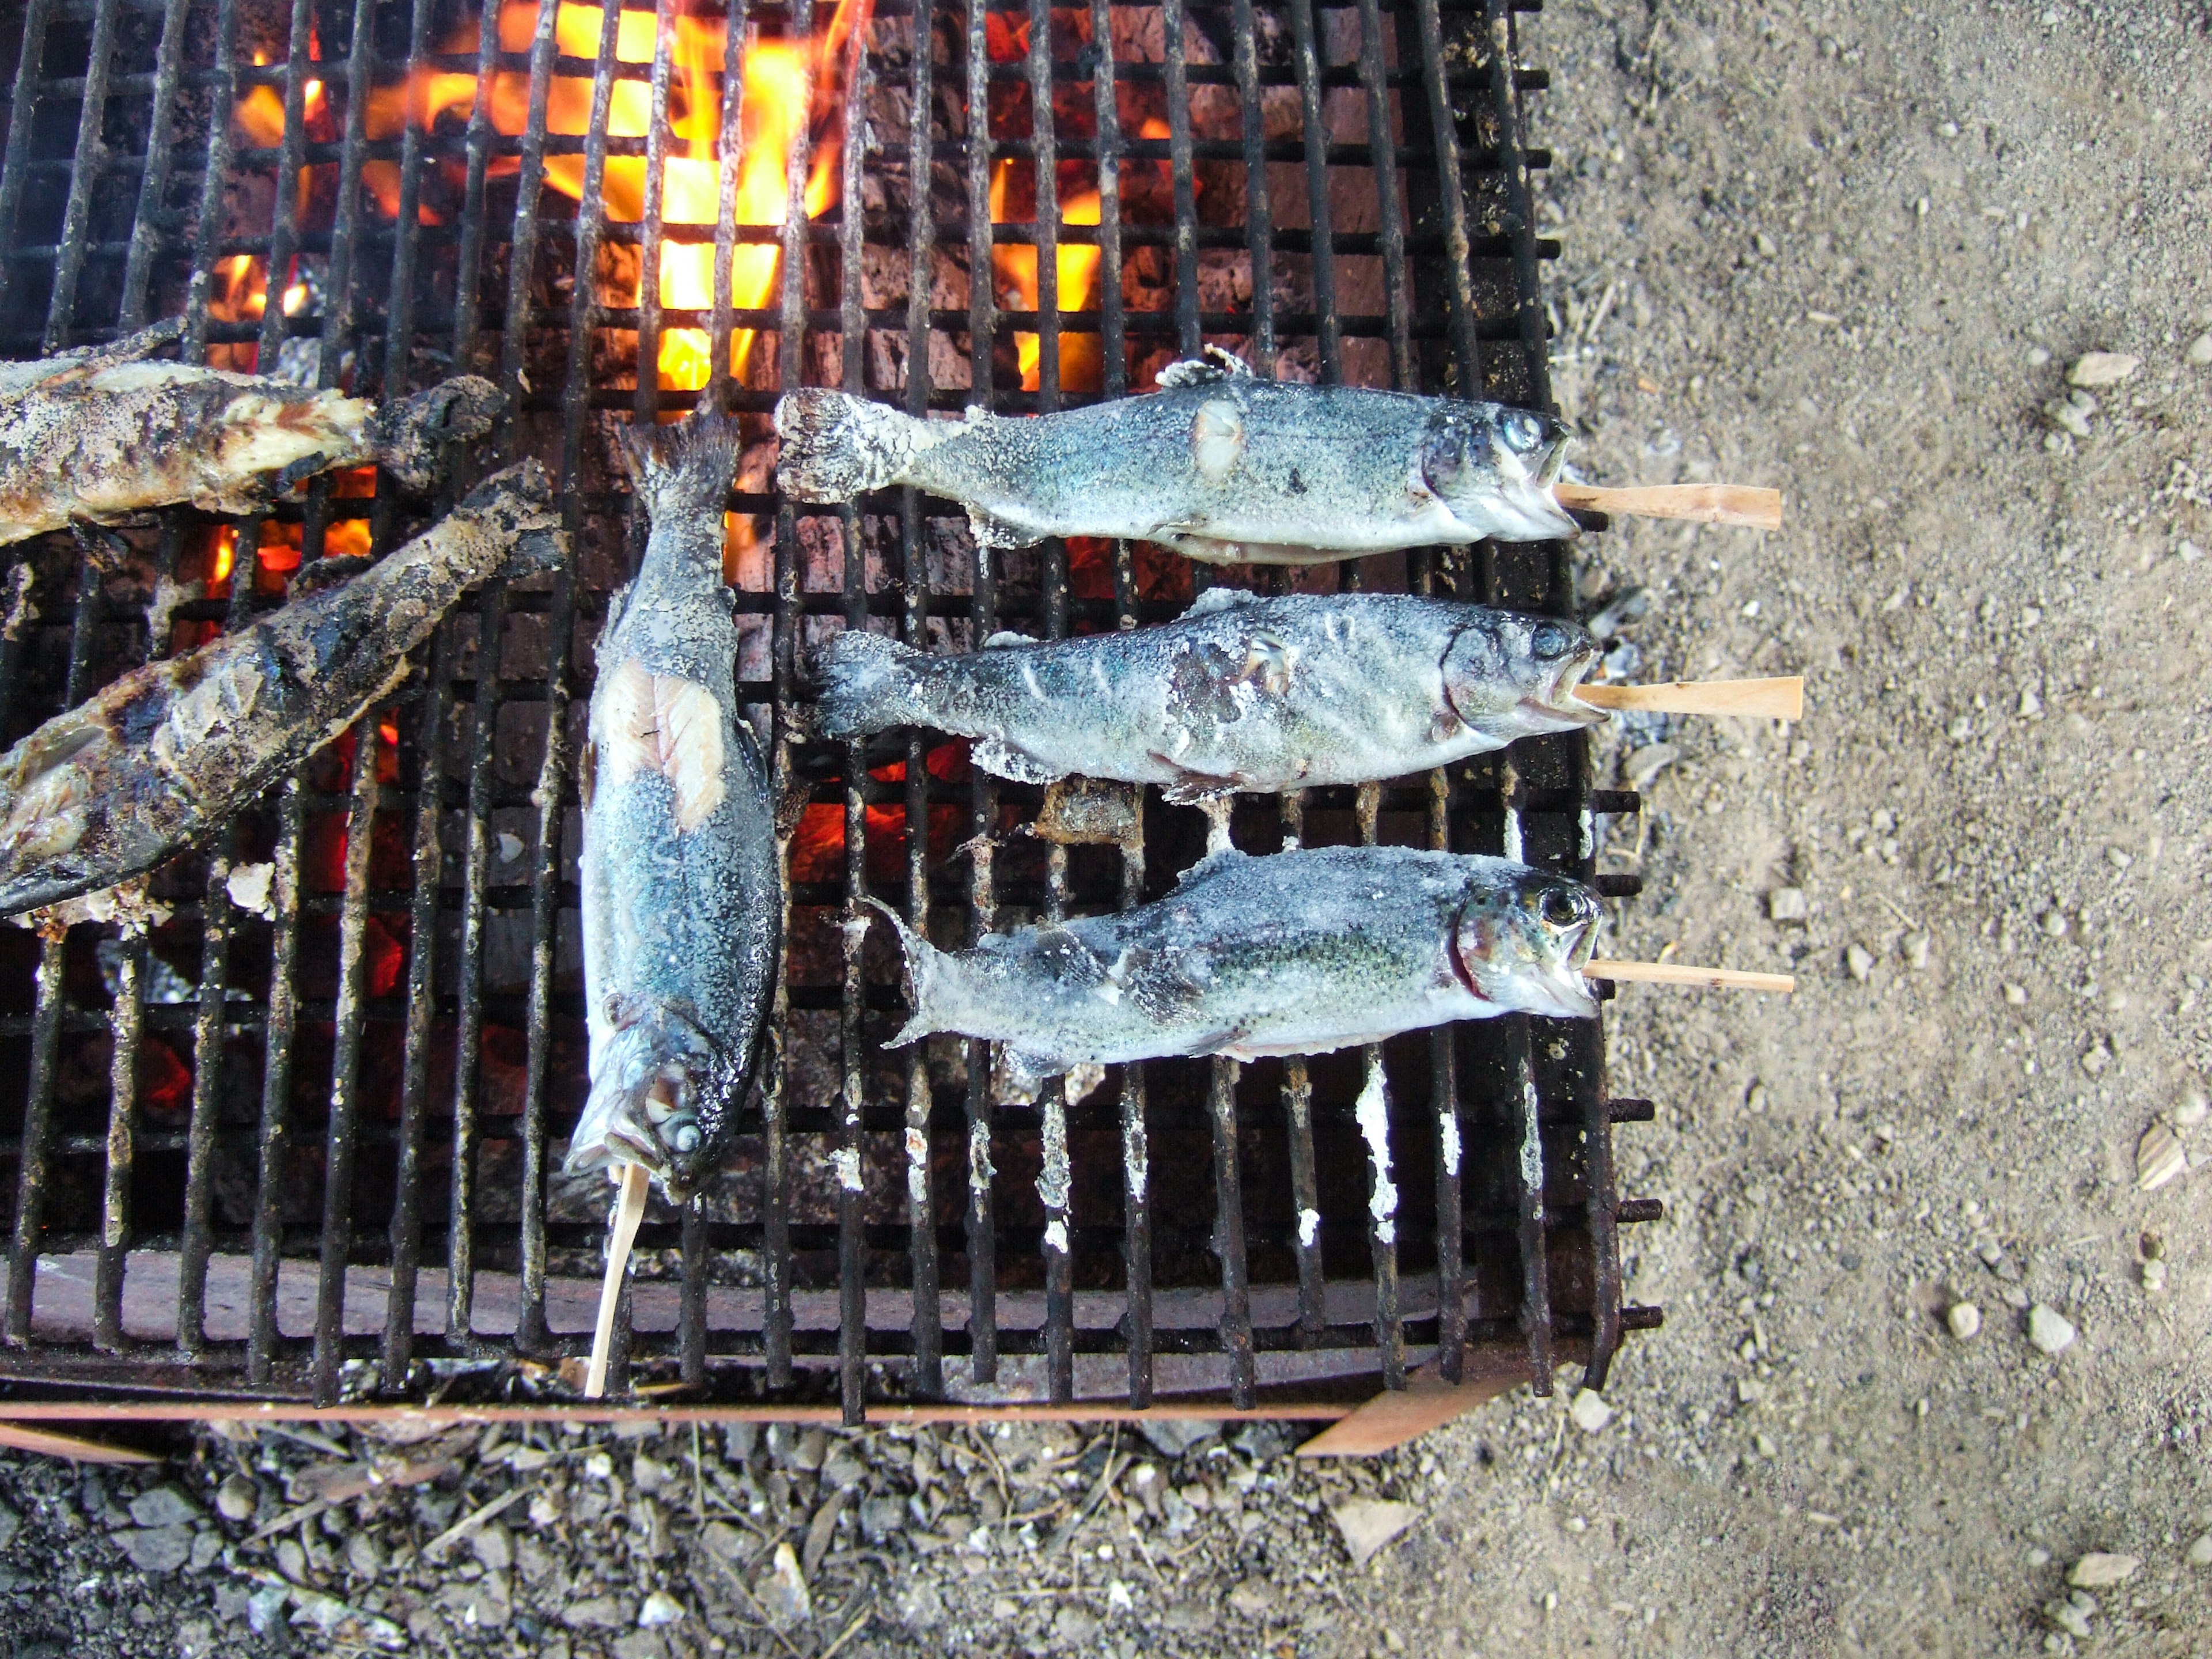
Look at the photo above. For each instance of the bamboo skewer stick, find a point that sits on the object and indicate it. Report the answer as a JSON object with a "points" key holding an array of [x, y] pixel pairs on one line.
{"points": [[1676, 972], [629, 1210], [1780, 699], [1738, 504]]}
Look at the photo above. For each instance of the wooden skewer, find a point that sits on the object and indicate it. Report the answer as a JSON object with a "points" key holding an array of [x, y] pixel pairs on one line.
{"points": [[629, 1210], [1741, 504], [1675, 973], [1777, 699]]}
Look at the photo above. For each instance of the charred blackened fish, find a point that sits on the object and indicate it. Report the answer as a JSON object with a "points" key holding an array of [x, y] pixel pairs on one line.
{"points": [[1299, 953], [1217, 464], [118, 783], [102, 435], [682, 899], [1239, 693]]}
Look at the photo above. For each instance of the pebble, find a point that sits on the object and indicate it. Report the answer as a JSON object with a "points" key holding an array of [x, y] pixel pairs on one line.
{"points": [[510, 846], [882, 1516], [660, 1608], [1915, 951], [1589, 1410], [2015, 996], [2199, 1554], [2192, 1109], [650, 1475], [1074, 1625], [2053, 923], [2154, 1275], [1367, 1524], [2100, 369], [157, 1549], [364, 1558], [1172, 1436], [2160, 1158], [237, 1498], [2199, 354], [1647, 763], [596, 1613], [2099, 1570], [1859, 962], [163, 1506], [2069, 1618], [1964, 1319], [1253, 1599], [781, 1590], [494, 1546], [1787, 904], [291, 1559], [2050, 1332]]}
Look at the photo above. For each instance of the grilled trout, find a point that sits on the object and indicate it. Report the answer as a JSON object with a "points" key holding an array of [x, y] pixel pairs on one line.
{"points": [[102, 435], [1239, 693], [683, 911], [1217, 464], [116, 785], [1299, 953]]}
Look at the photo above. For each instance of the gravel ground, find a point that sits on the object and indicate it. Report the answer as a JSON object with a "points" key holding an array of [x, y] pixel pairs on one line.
{"points": [[1854, 250]]}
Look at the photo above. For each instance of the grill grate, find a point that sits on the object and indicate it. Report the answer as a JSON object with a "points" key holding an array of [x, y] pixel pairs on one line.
{"points": [[316, 1155]]}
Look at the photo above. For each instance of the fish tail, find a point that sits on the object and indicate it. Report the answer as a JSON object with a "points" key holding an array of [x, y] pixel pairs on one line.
{"points": [[927, 969], [837, 447], [686, 468], [868, 683], [411, 436]]}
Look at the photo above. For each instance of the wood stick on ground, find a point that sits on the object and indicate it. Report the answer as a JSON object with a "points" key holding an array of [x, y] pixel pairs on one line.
{"points": [[1676, 972], [1780, 699], [1738, 504], [629, 1210]]}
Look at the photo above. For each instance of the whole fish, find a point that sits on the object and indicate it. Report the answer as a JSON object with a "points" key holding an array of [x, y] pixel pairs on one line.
{"points": [[1240, 692], [1217, 464], [683, 917], [1298, 953], [102, 435], [113, 786]]}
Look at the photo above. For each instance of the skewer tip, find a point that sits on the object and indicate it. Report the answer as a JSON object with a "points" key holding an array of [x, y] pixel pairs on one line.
{"points": [[631, 1181]]}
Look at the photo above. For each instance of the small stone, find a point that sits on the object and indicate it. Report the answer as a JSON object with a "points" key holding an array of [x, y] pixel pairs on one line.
{"points": [[2154, 1275], [163, 1506], [2068, 1618], [2199, 1554], [1787, 904], [2048, 1330], [156, 1549], [196, 1639], [510, 846], [844, 1471], [2015, 996], [1765, 245], [248, 887], [1915, 951], [1148, 1485], [811, 1450], [593, 1612], [660, 1608], [237, 1498], [2199, 354], [881, 1516], [2096, 1059], [650, 1475], [724, 1542], [2053, 923], [1172, 1436], [1366, 1524], [781, 1590], [1646, 763], [2160, 1157], [1253, 1599], [1073, 1626], [2098, 368], [2191, 1111], [1589, 1410], [207, 1546], [640, 1645], [364, 1558], [919, 1606], [2038, 356], [1964, 1319], [493, 1544], [2068, 416], [1765, 1446], [2098, 1570], [1858, 961]]}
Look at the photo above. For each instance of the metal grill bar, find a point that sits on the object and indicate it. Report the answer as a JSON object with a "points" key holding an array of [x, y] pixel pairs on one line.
{"points": [[1186, 189], [91, 156], [1329, 342], [1383, 157], [1382, 1207], [1229, 1235], [1259, 219]]}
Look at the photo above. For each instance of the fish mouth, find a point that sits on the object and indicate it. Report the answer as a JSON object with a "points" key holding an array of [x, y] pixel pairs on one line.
{"points": [[1559, 702]]}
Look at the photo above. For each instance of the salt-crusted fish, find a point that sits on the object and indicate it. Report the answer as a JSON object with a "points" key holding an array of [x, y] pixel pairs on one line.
{"points": [[1298, 953], [1217, 464], [683, 916], [1239, 693], [101, 435], [116, 785]]}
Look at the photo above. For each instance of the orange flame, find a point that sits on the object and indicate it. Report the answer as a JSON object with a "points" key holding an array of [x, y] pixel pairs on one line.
{"points": [[1076, 265]]}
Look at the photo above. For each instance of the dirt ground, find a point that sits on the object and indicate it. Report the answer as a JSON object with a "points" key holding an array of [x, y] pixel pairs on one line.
{"points": [[1853, 250]]}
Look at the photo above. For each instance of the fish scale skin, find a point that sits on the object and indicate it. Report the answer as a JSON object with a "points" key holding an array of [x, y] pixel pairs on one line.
{"points": [[1301, 952], [1318, 471], [115, 786], [1255, 694], [677, 920]]}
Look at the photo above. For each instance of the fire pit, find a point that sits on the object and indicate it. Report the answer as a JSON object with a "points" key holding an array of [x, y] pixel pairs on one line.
{"points": [[300, 1140]]}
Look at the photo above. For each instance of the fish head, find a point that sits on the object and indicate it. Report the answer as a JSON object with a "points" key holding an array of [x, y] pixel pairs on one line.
{"points": [[1515, 674], [1521, 939], [1493, 466], [658, 1087]]}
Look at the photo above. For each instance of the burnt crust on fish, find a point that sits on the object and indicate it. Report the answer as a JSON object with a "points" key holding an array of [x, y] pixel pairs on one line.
{"points": [[111, 789], [682, 891], [1217, 464], [103, 436], [1301, 952], [1239, 693]]}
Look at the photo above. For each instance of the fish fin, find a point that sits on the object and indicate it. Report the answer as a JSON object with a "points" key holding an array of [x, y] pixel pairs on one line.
{"points": [[837, 446], [411, 436], [1159, 990], [1021, 1073], [1216, 364], [1218, 600], [1005, 639], [88, 361], [867, 684], [686, 468], [1001, 759], [1193, 789], [923, 967], [1210, 864], [990, 532]]}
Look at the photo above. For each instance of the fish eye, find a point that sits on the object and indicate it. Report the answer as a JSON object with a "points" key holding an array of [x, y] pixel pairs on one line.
{"points": [[1550, 641], [1523, 430], [685, 1137], [1559, 907]]}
